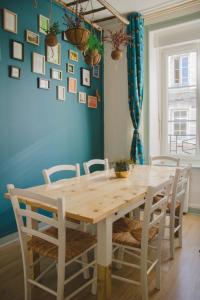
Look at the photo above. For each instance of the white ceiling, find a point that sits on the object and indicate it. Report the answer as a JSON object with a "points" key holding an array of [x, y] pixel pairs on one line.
{"points": [[127, 6]]}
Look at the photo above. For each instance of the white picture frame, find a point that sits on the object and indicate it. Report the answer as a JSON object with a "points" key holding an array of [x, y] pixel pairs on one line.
{"points": [[70, 68], [96, 71], [9, 21], [32, 38], [38, 63], [72, 85], [43, 83], [44, 24], [61, 93], [53, 54], [56, 74], [82, 97]]}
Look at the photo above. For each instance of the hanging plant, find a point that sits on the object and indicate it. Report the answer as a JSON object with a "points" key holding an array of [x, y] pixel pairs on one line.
{"points": [[76, 34], [118, 40], [51, 38], [94, 50]]}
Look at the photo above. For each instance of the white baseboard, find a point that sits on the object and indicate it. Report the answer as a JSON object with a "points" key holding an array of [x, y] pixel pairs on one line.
{"points": [[8, 239]]}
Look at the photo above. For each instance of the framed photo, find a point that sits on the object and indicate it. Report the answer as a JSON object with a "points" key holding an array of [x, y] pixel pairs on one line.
{"points": [[85, 77], [61, 93], [14, 72], [38, 63], [72, 85], [70, 68], [44, 24], [17, 50], [56, 74], [54, 54], [96, 71], [43, 83], [32, 37], [64, 38], [82, 97], [92, 101], [9, 21], [73, 55]]}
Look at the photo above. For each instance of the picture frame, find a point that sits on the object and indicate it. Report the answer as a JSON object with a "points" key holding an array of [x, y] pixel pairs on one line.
{"points": [[32, 38], [73, 55], [38, 63], [82, 97], [14, 72], [70, 68], [17, 50], [92, 102], [56, 74], [44, 24], [9, 21], [53, 54], [61, 92], [85, 77], [43, 83], [64, 38], [96, 71], [72, 85]]}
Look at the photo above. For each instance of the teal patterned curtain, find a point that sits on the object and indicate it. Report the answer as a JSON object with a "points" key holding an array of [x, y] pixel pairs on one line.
{"points": [[135, 55]]}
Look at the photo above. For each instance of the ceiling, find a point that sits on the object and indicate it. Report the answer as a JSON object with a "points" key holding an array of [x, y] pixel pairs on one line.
{"points": [[127, 6]]}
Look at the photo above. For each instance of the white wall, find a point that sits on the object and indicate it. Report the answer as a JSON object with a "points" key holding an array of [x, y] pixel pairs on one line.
{"points": [[117, 122]]}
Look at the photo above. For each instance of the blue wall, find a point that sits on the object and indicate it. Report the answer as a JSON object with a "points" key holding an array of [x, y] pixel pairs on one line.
{"points": [[36, 130]]}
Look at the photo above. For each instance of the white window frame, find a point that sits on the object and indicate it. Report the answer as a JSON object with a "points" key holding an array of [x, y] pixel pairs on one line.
{"points": [[163, 95]]}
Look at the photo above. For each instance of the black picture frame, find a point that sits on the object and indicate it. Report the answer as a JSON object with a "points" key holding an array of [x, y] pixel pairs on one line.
{"points": [[13, 43], [64, 38], [83, 80], [39, 83], [10, 72]]}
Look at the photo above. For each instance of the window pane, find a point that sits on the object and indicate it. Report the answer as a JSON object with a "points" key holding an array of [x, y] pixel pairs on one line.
{"points": [[182, 98]]}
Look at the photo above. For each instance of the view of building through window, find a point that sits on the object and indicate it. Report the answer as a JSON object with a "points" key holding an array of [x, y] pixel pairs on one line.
{"points": [[182, 103]]}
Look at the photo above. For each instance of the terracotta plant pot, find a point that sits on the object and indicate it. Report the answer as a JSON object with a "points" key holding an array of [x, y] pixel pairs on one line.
{"points": [[116, 54], [77, 36], [92, 57], [82, 48], [51, 40], [123, 174]]}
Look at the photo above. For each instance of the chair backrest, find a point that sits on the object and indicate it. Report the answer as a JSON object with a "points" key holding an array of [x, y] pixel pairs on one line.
{"points": [[150, 209], [26, 220], [164, 160], [87, 165], [47, 173], [180, 186]]}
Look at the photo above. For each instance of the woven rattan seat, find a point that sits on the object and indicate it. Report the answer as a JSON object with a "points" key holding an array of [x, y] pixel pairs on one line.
{"points": [[76, 243], [169, 204], [129, 232]]}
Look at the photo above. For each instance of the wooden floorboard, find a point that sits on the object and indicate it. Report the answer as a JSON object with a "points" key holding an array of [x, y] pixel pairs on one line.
{"points": [[180, 277]]}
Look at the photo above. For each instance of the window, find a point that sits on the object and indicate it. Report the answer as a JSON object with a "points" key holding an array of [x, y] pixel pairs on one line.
{"points": [[180, 104]]}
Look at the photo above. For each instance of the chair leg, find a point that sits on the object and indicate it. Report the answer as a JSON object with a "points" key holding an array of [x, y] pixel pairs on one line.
{"points": [[86, 273], [60, 281], [120, 256], [144, 281], [172, 243], [180, 236], [94, 284], [158, 266], [27, 290]]}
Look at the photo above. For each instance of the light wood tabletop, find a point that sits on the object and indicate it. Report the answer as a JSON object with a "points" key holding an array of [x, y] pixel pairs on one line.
{"points": [[101, 198]]}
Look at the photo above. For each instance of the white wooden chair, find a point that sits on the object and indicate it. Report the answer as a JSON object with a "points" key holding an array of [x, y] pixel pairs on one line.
{"points": [[56, 243], [47, 173], [135, 238], [87, 165], [176, 204], [164, 160]]}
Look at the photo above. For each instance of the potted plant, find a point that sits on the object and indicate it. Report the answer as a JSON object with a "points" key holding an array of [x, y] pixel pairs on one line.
{"points": [[51, 38], [121, 169], [118, 40], [94, 50], [76, 34]]}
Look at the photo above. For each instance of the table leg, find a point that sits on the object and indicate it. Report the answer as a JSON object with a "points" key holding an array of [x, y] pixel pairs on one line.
{"points": [[104, 259]]}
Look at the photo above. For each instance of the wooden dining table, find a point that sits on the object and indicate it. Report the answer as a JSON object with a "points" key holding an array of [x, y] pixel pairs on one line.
{"points": [[100, 198]]}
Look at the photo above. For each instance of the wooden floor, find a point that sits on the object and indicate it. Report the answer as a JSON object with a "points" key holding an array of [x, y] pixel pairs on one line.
{"points": [[180, 277]]}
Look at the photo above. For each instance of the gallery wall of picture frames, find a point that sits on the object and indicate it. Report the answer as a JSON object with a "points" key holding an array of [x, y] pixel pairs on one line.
{"points": [[71, 75]]}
